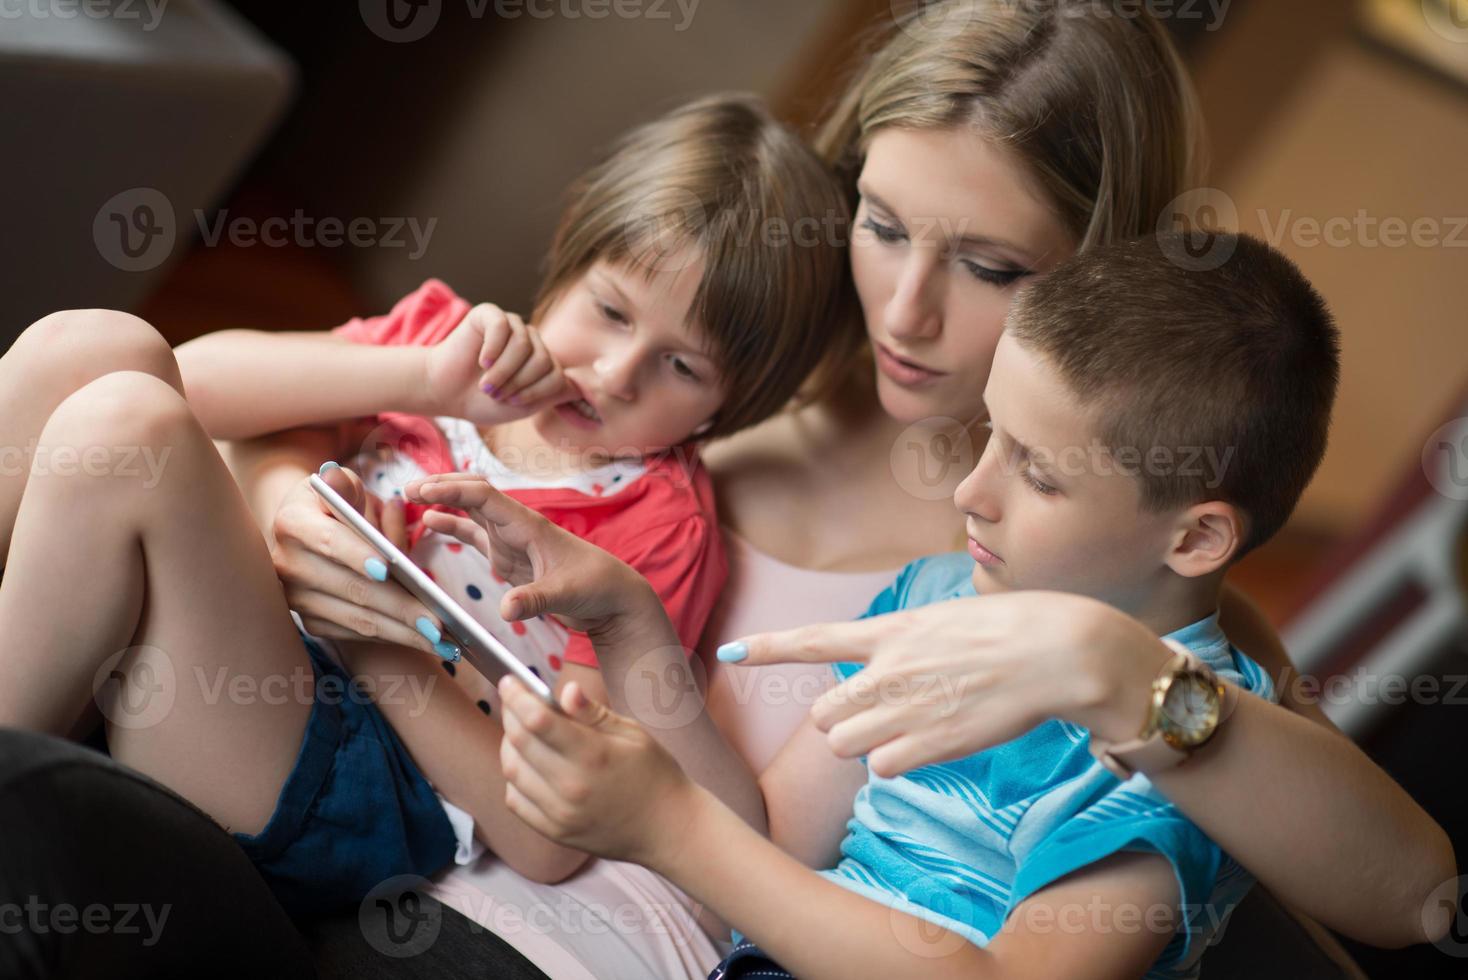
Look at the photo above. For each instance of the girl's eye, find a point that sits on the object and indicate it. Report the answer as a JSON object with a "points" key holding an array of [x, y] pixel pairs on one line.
{"points": [[1035, 485], [886, 234], [682, 369], [994, 277], [612, 313]]}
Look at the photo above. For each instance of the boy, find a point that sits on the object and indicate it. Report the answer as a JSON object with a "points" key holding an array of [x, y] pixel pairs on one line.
{"points": [[1149, 426]]}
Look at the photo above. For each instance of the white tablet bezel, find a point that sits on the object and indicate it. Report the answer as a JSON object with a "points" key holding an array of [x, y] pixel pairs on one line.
{"points": [[486, 654]]}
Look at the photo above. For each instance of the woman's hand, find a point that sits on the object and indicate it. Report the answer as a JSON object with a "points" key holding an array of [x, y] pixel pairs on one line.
{"points": [[553, 571], [493, 368], [951, 679], [335, 581], [588, 778]]}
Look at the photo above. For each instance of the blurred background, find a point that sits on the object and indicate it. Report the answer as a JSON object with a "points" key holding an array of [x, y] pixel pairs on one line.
{"points": [[149, 142]]}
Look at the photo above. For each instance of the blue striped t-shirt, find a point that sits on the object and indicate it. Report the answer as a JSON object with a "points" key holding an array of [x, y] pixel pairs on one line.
{"points": [[961, 844]]}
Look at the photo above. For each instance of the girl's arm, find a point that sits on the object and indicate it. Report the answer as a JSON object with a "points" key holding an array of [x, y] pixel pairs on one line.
{"points": [[1009, 661], [492, 368], [245, 383]]}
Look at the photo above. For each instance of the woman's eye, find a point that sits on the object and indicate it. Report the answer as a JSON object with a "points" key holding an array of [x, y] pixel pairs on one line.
{"points": [[994, 277], [886, 234], [1037, 486]]}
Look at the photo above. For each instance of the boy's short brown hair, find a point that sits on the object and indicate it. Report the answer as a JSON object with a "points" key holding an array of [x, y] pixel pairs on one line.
{"points": [[1243, 360], [721, 175]]}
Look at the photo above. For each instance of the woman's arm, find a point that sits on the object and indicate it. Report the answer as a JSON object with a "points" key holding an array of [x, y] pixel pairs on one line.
{"points": [[1006, 662]]}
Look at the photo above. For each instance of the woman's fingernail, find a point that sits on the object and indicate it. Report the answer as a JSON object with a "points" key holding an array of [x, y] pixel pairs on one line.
{"points": [[448, 651], [732, 653], [426, 627], [376, 569], [491, 391], [328, 466]]}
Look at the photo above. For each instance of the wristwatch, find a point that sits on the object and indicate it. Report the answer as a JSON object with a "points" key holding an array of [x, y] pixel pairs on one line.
{"points": [[1188, 703]]}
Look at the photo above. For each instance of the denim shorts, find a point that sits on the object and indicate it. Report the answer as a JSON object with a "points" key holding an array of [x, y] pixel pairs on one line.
{"points": [[354, 812]]}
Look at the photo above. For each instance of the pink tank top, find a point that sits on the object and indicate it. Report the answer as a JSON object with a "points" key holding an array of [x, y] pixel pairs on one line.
{"points": [[759, 708]]}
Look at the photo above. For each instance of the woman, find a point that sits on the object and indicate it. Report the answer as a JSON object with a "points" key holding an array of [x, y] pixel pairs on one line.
{"points": [[1083, 134]]}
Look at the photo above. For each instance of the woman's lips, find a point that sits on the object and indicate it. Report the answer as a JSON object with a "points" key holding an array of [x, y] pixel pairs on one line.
{"points": [[983, 555], [907, 373]]}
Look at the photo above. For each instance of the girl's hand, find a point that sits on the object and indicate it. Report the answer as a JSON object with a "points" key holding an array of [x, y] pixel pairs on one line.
{"points": [[493, 368], [948, 680], [335, 581], [553, 571], [588, 778]]}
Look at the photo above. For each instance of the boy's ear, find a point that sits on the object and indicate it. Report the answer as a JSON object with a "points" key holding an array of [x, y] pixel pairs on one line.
{"points": [[1206, 538]]}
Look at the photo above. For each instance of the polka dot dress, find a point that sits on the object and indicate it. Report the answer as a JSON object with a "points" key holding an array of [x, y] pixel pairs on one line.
{"points": [[466, 574]]}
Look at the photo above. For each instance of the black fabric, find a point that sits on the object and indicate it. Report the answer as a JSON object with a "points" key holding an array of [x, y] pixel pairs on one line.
{"points": [[89, 849], [81, 832], [1262, 941], [423, 939]]}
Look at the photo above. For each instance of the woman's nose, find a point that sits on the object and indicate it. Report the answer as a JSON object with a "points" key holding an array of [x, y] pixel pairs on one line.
{"points": [[915, 311]]}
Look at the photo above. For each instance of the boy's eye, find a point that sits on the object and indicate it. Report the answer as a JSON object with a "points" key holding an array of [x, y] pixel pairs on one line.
{"points": [[1038, 486], [886, 234], [994, 277], [682, 368]]}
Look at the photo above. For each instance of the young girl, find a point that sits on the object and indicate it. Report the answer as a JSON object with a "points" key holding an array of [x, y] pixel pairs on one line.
{"points": [[663, 320]]}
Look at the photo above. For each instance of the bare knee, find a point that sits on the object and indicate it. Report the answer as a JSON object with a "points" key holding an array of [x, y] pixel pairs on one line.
{"points": [[77, 346], [110, 419]]}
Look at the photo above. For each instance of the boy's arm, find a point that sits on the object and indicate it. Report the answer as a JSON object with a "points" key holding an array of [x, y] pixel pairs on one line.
{"points": [[1110, 920], [245, 383], [595, 780]]}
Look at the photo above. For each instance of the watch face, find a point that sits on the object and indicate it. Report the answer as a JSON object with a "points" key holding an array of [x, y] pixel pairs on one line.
{"points": [[1190, 710]]}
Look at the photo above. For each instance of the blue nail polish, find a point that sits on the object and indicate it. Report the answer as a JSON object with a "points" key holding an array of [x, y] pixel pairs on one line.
{"points": [[732, 653], [448, 651], [426, 627], [376, 569], [327, 466]]}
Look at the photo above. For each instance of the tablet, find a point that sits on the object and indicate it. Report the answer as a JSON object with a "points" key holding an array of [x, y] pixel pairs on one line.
{"points": [[486, 654]]}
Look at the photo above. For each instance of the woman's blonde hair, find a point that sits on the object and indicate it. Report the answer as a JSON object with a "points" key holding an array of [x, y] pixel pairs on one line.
{"points": [[1090, 95], [720, 178]]}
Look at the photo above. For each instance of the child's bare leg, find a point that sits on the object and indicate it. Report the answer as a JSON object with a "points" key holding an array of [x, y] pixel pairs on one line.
{"points": [[147, 550], [55, 356]]}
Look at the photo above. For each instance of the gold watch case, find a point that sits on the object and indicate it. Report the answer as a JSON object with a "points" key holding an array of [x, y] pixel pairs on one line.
{"points": [[1187, 701]]}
